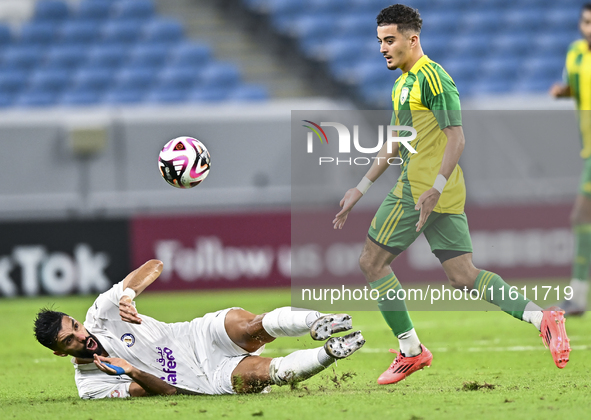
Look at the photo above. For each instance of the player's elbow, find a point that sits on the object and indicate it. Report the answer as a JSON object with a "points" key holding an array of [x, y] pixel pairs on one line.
{"points": [[156, 265]]}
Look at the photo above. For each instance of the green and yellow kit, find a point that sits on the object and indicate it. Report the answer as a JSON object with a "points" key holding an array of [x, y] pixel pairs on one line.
{"points": [[578, 78], [425, 98]]}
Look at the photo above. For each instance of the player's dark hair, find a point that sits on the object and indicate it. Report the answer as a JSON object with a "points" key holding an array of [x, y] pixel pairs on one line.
{"points": [[586, 6], [47, 326], [404, 17]]}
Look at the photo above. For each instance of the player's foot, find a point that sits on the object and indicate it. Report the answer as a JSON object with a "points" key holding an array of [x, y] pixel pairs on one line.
{"points": [[341, 347], [403, 366], [325, 326], [572, 309], [554, 335]]}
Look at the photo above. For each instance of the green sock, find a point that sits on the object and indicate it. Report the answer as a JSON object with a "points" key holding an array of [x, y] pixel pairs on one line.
{"points": [[582, 252], [393, 311], [500, 294]]}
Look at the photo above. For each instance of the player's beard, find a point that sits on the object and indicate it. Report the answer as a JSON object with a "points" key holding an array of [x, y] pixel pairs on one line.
{"points": [[91, 347]]}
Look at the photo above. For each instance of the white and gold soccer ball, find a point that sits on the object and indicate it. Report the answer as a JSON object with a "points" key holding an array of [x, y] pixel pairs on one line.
{"points": [[184, 162]]}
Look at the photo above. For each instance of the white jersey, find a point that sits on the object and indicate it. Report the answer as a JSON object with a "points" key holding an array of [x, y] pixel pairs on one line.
{"points": [[175, 353]]}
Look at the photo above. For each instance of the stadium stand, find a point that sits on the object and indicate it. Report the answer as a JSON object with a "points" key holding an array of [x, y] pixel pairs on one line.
{"points": [[484, 47], [110, 52]]}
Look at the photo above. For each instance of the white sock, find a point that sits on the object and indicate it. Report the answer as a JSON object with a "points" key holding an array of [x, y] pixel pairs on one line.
{"points": [[533, 314], [580, 292], [298, 366], [288, 322], [410, 344]]}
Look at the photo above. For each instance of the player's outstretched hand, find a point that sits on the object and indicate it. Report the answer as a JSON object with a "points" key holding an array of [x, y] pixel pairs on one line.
{"points": [[426, 204], [100, 361], [349, 200], [128, 312]]}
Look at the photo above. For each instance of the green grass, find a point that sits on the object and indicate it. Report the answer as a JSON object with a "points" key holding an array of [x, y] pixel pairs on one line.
{"points": [[470, 349]]}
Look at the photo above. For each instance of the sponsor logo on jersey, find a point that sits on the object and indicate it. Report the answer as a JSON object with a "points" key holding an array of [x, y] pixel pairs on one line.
{"points": [[168, 365], [128, 339], [403, 95]]}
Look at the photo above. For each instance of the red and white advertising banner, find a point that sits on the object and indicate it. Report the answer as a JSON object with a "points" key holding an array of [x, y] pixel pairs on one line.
{"points": [[265, 250], [215, 251], [517, 242]]}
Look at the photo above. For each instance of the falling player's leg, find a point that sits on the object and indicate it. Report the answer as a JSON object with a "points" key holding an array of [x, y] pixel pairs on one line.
{"points": [[254, 373], [251, 332]]}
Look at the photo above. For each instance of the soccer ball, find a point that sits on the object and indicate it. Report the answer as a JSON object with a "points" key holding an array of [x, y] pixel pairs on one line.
{"points": [[184, 162]]}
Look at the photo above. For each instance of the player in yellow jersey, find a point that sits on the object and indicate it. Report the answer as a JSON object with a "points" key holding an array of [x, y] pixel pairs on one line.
{"points": [[428, 198], [577, 84]]}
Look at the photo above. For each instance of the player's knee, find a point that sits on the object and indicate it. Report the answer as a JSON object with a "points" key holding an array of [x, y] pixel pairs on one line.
{"points": [[367, 265]]}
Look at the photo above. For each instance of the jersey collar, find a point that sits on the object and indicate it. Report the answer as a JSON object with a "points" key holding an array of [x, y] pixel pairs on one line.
{"points": [[420, 63]]}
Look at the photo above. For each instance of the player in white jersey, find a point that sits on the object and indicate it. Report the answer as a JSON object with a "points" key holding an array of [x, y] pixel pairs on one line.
{"points": [[118, 353]]}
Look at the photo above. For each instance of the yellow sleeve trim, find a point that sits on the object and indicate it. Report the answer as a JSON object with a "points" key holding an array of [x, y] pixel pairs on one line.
{"points": [[431, 84], [437, 77]]}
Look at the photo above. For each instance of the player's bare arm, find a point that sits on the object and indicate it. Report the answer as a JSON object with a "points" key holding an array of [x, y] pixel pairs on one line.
{"points": [[451, 156], [144, 383], [560, 90], [353, 195], [137, 281]]}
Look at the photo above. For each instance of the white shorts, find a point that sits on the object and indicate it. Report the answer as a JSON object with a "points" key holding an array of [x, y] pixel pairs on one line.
{"points": [[217, 353]]}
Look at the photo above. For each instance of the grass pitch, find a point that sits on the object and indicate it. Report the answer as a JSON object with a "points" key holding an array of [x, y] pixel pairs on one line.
{"points": [[486, 365]]}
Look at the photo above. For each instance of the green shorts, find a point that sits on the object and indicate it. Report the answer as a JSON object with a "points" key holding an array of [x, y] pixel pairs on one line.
{"points": [[585, 183], [394, 228]]}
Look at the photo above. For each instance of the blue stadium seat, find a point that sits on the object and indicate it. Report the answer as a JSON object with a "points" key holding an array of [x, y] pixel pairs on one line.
{"points": [[179, 77], [501, 67], [49, 80], [441, 21], [5, 35], [221, 74], [167, 95], [78, 96], [534, 85], [121, 31], [563, 16], [492, 86], [476, 45], [249, 93], [53, 10], [6, 100], [38, 33], [67, 56], [465, 69], [360, 25], [524, 18], [438, 46], [347, 49], [209, 94], [22, 57], [315, 26], [79, 32], [163, 30], [191, 54], [516, 43], [552, 43], [135, 78], [149, 55], [93, 78], [93, 10], [112, 55], [371, 74], [133, 9], [481, 20], [36, 98], [12, 81]]}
